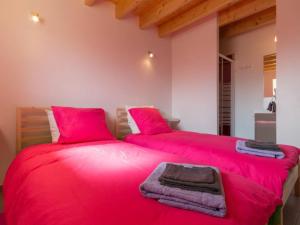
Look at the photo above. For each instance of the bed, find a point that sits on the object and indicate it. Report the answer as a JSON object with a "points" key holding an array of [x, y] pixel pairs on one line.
{"points": [[97, 183], [279, 176]]}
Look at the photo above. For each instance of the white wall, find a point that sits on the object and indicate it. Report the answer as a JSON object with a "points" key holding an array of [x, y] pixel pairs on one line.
{"points": [[194, 76], [248, 75], [78, 56], [288, 76]]}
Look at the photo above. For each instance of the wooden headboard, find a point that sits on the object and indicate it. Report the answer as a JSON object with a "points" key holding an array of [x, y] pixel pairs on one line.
{"points": [[32, 127], [122, 127]]}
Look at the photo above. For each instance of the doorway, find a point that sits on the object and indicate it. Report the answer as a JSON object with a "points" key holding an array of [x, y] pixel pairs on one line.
{"points": [[225, 96]]}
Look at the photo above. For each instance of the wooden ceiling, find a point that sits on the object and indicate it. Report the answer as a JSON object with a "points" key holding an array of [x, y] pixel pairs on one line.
{"points": [[170, 16]]}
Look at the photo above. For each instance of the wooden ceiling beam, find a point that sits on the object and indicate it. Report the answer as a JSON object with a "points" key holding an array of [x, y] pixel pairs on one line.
{"points": [[89, 2], [124, 7], [244, 9], [250, 23], [164, 9], [198, 12]]}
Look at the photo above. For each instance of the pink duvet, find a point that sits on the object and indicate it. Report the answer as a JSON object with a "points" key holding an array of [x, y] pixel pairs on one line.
{"points": [[220, 151], [98, 183]]}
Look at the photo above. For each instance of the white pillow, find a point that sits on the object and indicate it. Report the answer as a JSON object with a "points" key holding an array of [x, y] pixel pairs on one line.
{"points": [[53, 126], [132, 124]]}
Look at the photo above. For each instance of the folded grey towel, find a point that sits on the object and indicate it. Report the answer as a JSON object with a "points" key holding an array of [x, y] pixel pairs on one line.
{"points": [[203, 179], [263, 145], [189, 174], [191, 200], [242, 148]]}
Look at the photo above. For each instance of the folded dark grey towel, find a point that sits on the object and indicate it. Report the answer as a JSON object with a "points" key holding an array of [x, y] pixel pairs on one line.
{"points": [[191, 200], [263, 145], [189, 174], [203, 179]]}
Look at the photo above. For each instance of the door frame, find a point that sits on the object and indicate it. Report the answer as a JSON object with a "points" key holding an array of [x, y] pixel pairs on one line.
{"points": [[232, 128]]}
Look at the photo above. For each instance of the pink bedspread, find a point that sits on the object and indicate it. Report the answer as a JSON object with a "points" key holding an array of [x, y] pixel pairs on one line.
{"points": [[98, 183], [220, 151]]}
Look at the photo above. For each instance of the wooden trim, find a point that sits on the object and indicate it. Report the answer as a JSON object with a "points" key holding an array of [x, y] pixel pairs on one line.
{"points": [[164, 10], [18, 130], [90, 2], [122, 126], [277, 217], [198, 12], [270, 62], [244, 9], [250, 23], [125, 7], [290, 183], [173, 15], [32, 127], [297, 185]]}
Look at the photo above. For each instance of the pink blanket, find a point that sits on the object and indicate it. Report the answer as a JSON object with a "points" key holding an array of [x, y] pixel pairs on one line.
{"points": [[98, 183], [220, 151]]}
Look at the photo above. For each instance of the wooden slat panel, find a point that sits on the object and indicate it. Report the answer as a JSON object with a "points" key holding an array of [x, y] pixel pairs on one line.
{"points": [[32, 127], [270, 57], [195, 14], [250, 23], [34, 118], [270, 66], [244, 9], [270, 62], [36, 139], [122, 127]]}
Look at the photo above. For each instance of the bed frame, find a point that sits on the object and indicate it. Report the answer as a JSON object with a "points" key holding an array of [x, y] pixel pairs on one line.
{"points": [[292, 183], [33, 128]]}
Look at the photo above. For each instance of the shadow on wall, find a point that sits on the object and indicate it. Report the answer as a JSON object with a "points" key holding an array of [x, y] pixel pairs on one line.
{"points": [[5, 156]]}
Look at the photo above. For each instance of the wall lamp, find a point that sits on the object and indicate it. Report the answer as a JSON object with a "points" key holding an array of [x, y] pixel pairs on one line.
{"points": [[151, 54], [35, 17]]}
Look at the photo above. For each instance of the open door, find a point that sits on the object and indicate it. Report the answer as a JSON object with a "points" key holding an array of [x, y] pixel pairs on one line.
{"points": [[225, 96]]}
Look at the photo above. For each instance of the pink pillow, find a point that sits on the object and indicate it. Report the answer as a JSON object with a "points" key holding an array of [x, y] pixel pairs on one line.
{"points": [[81, 125], [149, 121]]}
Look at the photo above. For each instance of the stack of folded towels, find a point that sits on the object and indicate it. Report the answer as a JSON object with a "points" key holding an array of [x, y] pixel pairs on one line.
{"points": [[186, 186], [264, 149]]}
